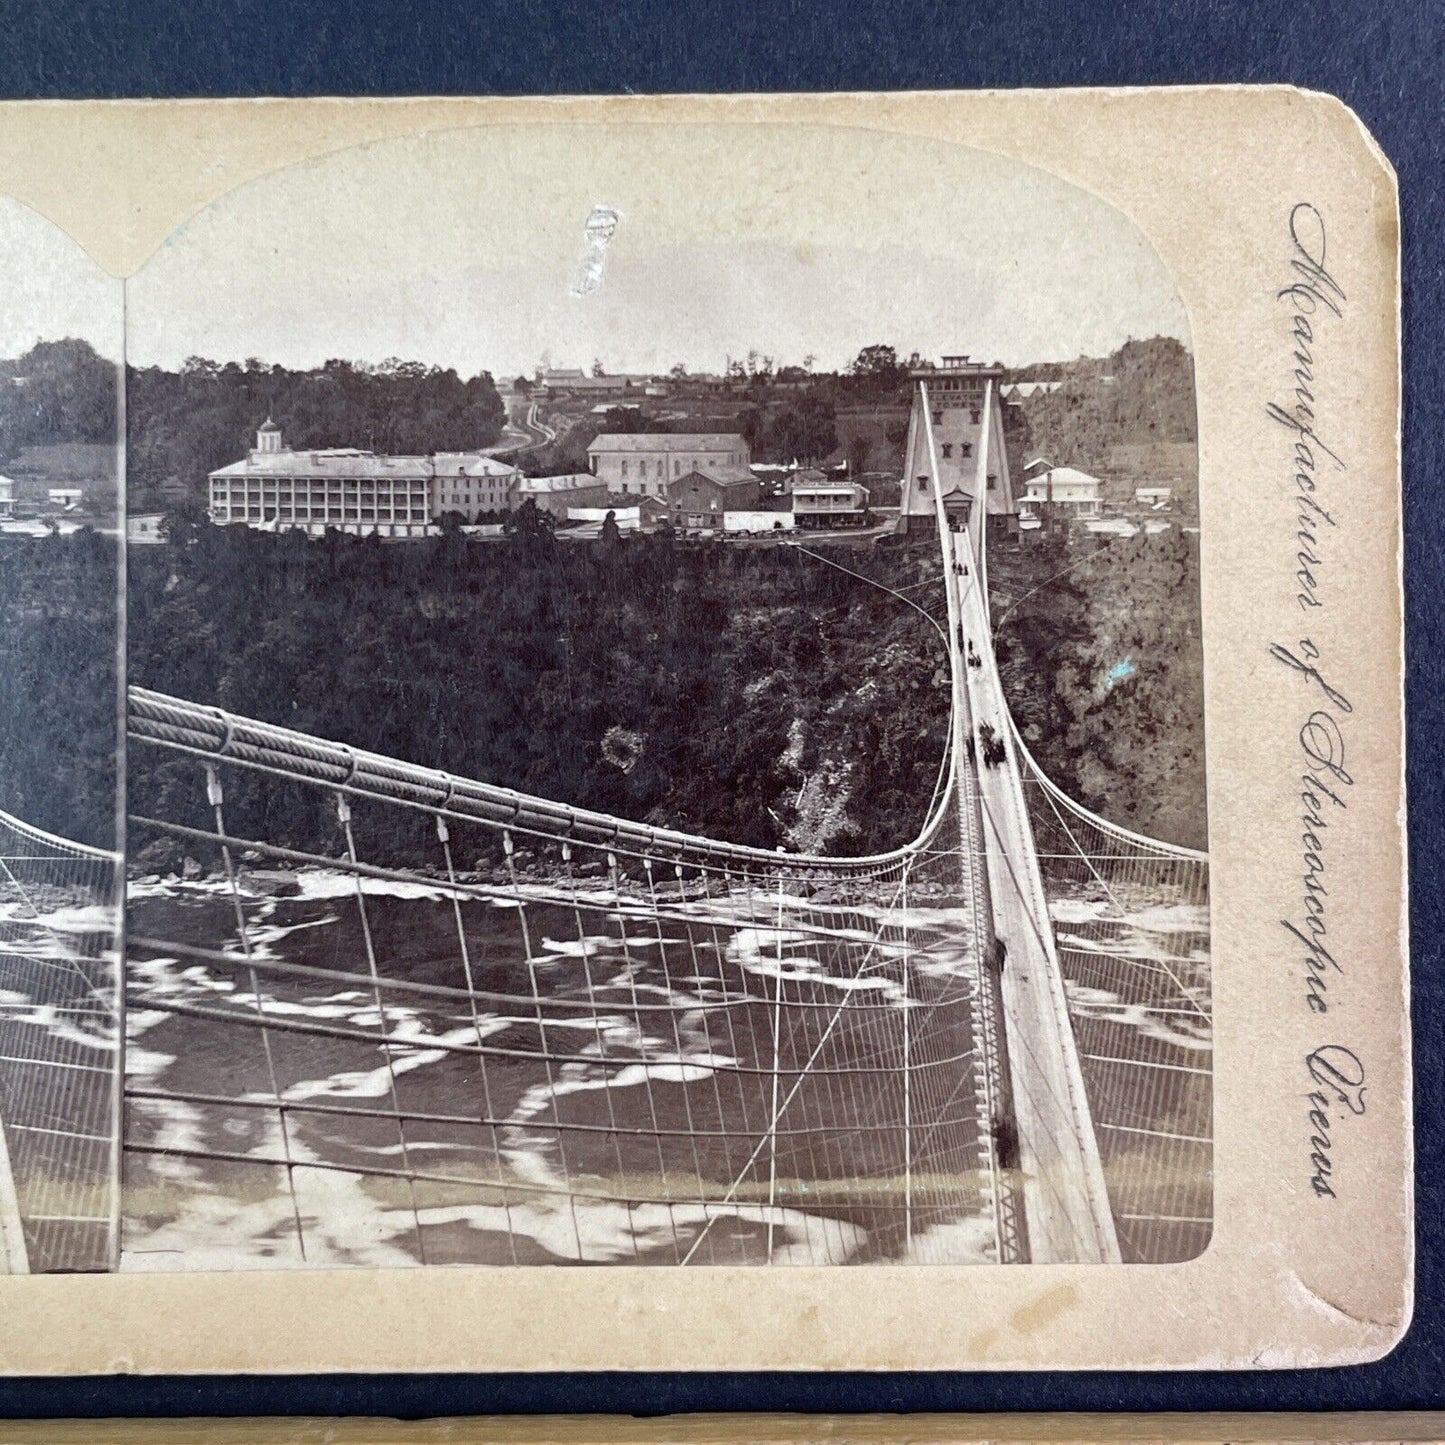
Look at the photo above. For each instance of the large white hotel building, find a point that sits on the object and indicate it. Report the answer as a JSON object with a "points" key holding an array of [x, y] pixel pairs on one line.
{"points": [[355, 491]]}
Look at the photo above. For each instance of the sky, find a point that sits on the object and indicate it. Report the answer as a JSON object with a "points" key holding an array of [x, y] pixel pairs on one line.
{"points": [[52, 289], [461, 248]]}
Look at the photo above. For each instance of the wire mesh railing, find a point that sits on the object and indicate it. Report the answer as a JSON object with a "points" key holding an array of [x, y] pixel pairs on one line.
{"points": [[1131, 923], [59, 1042], [482, 1028]]}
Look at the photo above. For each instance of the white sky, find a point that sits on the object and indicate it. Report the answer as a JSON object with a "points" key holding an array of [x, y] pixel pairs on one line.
{"points": [[51, 288], [460, 249]]}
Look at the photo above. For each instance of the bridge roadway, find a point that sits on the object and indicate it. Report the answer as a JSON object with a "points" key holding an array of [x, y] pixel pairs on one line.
{"points": [[1066, 1202]]}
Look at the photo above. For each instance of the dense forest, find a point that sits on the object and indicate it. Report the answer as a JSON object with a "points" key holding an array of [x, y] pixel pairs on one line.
{"points": [[183, 425], [59, 600], [1147, 398], [1102, 658], [58, 391], [755, 694], [58, 678]]}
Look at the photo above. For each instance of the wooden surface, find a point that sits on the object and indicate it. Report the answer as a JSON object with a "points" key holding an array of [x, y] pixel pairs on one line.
{"points": [[1177, 1429]]}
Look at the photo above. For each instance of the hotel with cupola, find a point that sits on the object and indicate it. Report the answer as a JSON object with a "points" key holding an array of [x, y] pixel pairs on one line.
{"points": [[349, 490]]}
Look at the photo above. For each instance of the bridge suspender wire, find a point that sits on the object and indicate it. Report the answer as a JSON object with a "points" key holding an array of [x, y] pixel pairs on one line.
{"points": [[464, 952], [1066, 1202], [777, 1111], [1135, 957], [509, 851], [922, 1131], [630, 974], [777, 1043], [343, 813], [1164, 964], [215, 796], [601, 1046], [907, 1076]]}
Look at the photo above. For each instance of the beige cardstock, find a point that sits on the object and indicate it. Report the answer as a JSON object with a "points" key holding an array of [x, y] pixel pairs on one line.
{"points": [[1211, 178]]}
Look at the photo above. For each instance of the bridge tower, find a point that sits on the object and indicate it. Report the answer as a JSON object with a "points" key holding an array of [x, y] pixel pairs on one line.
{"points": [[959, 401]]}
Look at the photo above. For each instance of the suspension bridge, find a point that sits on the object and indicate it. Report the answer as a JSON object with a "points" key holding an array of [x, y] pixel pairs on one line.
{"points": [[59, 1053], [604, 1041]]}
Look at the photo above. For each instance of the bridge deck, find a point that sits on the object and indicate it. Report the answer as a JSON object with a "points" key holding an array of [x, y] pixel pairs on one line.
{"points": [[1066, 1201]]}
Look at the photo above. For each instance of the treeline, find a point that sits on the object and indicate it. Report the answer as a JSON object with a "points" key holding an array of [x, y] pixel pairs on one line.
{"points": [[785, 424], [1149, 399], [791, 425], [753, 694], [58, 391], [1104, 670], [798, 425], [58, 705], [184, 424], [1137, 396]]}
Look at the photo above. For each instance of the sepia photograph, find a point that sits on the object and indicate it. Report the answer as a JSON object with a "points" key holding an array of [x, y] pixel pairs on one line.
{"points": [[742, 697], [661, 755]]}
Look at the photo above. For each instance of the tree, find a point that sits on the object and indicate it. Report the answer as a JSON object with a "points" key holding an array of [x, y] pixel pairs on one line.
{"points": [[530, 530], [624, 419], [185, 424], [803, 429], [180, 523], [878, 362], [58, 391], [597, 366], [858, 456]]}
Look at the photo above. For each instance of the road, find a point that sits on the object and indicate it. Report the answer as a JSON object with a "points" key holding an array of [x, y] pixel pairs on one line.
{"points": [[530, 431], [1066, 1200]]}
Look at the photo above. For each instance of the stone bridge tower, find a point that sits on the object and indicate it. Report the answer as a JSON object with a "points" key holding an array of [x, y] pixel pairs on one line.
{"points": [[956, 443]]}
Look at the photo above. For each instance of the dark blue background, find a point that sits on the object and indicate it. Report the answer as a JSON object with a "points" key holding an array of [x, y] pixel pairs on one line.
{"points": [[1383, 59]]}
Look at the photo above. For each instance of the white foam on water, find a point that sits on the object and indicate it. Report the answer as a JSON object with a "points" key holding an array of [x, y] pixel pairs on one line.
{"points": [[317, 885], [346, 1224], [177, 1126], [59, 1024], [86, 918], [1178, 1029], [583, 947], [959, 1241], [1079, 910]]}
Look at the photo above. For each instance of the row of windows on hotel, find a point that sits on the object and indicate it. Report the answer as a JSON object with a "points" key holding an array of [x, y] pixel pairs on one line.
{"points": [[500, 498], [332, 500]]}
